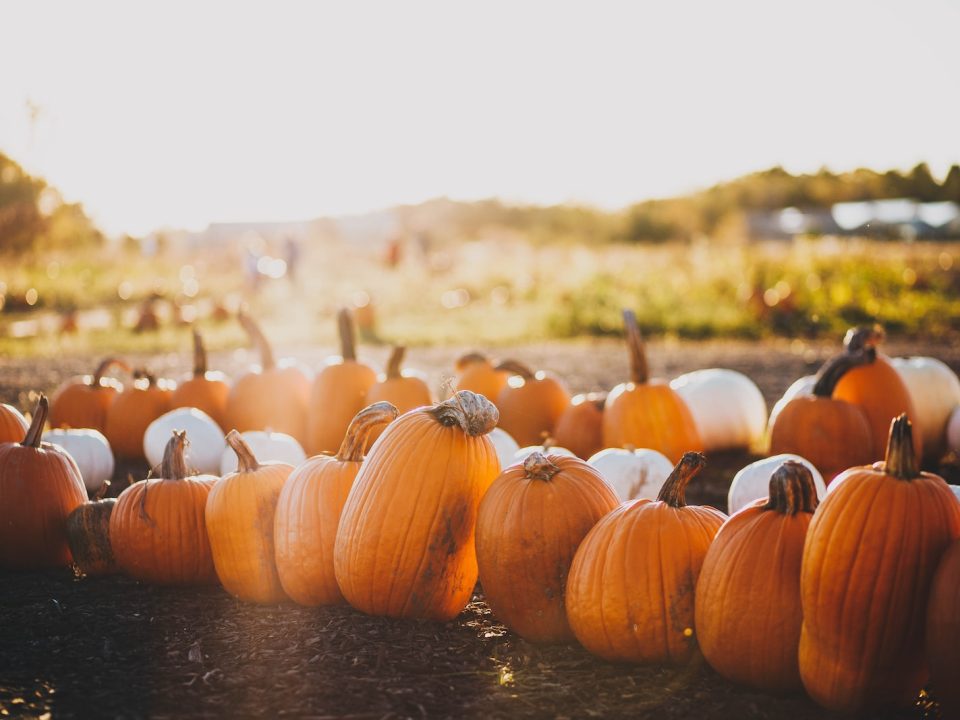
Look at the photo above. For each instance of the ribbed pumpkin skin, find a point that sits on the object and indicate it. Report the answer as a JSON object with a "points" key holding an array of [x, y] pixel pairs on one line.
{"points": [[88, 534], [405, 545], [339, 392], [943, 632], [158, 533], [580, 427], [13, 426], [130, 414], [208, 393], [868, 562], [274, 399], [651, 415], [77, 404], [240, 515], [528, 529], [530, 408]]}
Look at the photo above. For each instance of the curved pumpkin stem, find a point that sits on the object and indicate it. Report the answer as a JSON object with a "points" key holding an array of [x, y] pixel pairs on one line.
{"points": [[901, 462], [379, 413], [246, 460], [144, 374], [395, 363], [639, 370], [469, 359], [516, 368], [838, 366], [35, 431], [538, 466], [174, 463], [267, 360], [472, 413], [792, 489], [104, 366], [348, 337], [102, 491], [674, 490], [859, 338], [199, 355]]}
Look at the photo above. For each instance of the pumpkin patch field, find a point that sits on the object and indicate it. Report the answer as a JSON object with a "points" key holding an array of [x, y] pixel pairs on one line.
{"points": [[398, 573]]}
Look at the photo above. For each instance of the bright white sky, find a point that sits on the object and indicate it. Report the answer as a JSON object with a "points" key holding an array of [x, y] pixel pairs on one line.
{"points": [[182, 113]]}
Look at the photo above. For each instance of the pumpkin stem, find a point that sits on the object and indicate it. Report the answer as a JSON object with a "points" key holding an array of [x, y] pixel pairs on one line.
{"points": [[35, 431], [348, 337], [901, 462], [267, 360], [174, 464], [469, 359], [674, 490], [354, 442], [639, 370], [102, 491], [105, 365], [144, 374], [792, 489], [858, 338], [469, 411], [538, 466], [246, 460], [838, 366], [199, 355], [516, 368], [395, 362]]}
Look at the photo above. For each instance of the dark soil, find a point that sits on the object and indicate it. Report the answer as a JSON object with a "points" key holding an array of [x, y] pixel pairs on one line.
{"points": [[112, 647]]}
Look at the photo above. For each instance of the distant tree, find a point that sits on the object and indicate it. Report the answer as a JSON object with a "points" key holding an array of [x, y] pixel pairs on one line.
{"points": [[950, 190], [922, 185], [21, 221]]}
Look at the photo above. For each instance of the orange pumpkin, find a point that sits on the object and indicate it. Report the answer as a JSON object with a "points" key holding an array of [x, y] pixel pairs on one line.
{"points": [[405, 545], [83, 402], [531, 403], [308, 512], [832, 434], [943, 632], [630, 591], [877, 388], [240, 515], [157, 528], [40, 486], [477, 373], [868, 562], [269, 397], [13, 425], [580, 427], [133, 410], [88, 535], [529, 526], [748, 595], [647, 413], [404, 389], [206, 390], [339, 392]]}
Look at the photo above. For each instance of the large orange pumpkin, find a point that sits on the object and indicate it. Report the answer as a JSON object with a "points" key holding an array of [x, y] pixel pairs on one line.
{"points": [[404, 389], [339, 392], [273, 396], [580, 427], [207, 390], [133, 410], [40, 486], [157, 528], [477, 373], [13, 425], [868, 563], [240, 513], [748, 594], [531, 403], [405, 545], [308, 512], [83, 402], [647, 413], [630, 591], [943, 632], [529, 526]]}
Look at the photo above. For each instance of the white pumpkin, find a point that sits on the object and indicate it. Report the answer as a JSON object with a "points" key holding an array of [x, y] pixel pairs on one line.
{"points": [[266, 447], [205, 441], [90, 450], [753, 482], [633, 473], [727, 407], [935, 391], [956, 491], [800, 387], [505, 446], [953, 431], [522, 454]]}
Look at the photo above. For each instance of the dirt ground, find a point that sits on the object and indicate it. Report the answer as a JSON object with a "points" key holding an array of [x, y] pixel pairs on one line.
{"points": [[76, 647]]}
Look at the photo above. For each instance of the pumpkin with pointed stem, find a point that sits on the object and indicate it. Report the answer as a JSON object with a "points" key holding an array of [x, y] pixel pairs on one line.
{"points": [[90, 451], [832, 434], [529, 526], [88, 535], [240, 514], [13, 425], [630, 590], [206, 444], [133, 410], [943, 632], [580, 427], [40, 486], [83, 402], [339, 392], [870, 556], [645, 412], [308, 512], [531, 403], [405, 545], [273, 396], [748, 595], [206, 390], [404, 389], [477, 373]]}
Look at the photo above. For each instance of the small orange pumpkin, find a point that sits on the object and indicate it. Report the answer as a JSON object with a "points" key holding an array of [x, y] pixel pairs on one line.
{"points": [[531, 403], [477, 373], [83, 402], [207, 390], [943, 632], [133, 410], [647, 413], [404, 389], [580, 427], [13, 425], [308, 512]]}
